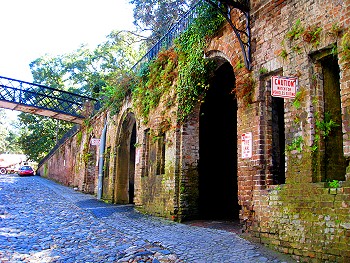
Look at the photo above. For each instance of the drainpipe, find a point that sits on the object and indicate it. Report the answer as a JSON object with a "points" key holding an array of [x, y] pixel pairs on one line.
{"points": [[100, 163]]}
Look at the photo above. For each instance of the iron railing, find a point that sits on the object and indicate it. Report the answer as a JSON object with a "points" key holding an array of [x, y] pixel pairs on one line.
{"points": [[42, 97], [168, 39]]}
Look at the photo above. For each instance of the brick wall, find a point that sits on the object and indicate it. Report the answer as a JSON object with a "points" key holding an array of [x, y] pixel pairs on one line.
{"points": [[303, 216]]}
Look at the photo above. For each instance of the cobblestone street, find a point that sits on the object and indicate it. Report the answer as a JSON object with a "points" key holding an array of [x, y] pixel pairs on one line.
{"points": [[41, 221]]}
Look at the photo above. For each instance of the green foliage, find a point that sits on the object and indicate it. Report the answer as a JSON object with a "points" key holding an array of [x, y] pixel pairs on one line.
{"points": [[154, 80], [283, 54], [314, 146], [156, 17], [239, 65], [296, 31], [79, 137], [299, 97], [183, 66], [38, 135], [244, 89], [263, 71], [334, 50], [336, 29], [296, 49], [345, 43], [326, 125], [312, 35], [87, 71], [324, 128], [8, 135], [193, 67], [295, 145], [333, 184]]}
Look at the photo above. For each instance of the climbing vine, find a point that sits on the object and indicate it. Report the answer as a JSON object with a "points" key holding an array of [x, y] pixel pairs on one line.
{"points": [[184, 66], [193, 67], [155, 79]]}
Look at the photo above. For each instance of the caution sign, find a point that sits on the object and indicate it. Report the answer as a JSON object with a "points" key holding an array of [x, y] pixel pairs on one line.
{"points": [[284, 87], [247, 145]]}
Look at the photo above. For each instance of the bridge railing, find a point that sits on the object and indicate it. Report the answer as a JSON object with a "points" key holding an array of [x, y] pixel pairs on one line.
{"points": [[40, 96], [168, 39]]}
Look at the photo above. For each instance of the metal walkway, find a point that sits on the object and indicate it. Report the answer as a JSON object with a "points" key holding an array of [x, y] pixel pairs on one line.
{"points": [[41, 100]]}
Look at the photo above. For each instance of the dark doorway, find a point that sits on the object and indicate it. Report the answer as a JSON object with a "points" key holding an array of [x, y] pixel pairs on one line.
{"points": [[125, 162], [278, 141], [334, 161], [132, 165], [218, 187]]}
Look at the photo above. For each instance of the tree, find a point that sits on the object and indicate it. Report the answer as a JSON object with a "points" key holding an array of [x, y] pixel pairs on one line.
{"points": [[154, 18], [12, 140], [86, 71], [8, 135], [3, 132], [39, 134]]}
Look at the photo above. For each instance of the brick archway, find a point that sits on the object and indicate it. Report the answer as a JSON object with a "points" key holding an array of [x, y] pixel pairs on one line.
{"points": [[125, 161], [218, 198]]}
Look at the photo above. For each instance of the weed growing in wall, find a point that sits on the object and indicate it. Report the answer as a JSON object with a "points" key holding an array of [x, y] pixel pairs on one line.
{"points": [[312, 35], [296, 145], [244, 89], [296, 31], [326, 125], [345, 43]]}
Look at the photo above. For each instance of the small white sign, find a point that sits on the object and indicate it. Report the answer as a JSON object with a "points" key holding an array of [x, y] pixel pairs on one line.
{"points": [[137, 158], [95, 141], [284, 87], [247, 145]]}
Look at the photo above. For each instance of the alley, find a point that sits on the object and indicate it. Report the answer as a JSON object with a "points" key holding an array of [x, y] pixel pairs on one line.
{"points": [[41, 221]]}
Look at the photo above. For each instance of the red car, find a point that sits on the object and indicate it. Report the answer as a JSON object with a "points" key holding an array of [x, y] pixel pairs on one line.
{"points": [[26, 170]]}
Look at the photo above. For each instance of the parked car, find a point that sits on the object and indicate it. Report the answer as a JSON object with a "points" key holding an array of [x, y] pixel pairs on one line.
{"points": [[26, 170]]}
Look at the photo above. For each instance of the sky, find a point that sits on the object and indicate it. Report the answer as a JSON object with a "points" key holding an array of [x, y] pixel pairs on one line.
{"points": [[32, 28]]}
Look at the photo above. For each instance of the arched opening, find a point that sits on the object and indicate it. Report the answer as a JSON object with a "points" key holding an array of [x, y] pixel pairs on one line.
{"points": [[218, 186], [125, 164], [132, 165]]}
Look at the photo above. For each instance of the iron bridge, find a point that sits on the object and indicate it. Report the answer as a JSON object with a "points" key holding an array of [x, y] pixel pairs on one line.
{"points": [[42, 100]]}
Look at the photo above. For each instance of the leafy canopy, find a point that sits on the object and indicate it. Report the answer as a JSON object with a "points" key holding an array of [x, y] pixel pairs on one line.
{"points": [[38, 134], [8, 136], [184, 66], [90, 72], [86, 71], [153, 18]]}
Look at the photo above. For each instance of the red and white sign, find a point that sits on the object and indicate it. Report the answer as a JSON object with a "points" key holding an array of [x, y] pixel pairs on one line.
{"points": [[95, 141], [247, 145], [284, 87]]}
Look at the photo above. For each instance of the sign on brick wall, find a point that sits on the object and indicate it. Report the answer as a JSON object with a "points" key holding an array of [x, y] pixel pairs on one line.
{"points": [[95, 141], [284, 87], [247, 145]]}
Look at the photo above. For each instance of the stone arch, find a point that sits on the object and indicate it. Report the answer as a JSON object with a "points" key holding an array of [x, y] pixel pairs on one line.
{"points": [[125, 160]]}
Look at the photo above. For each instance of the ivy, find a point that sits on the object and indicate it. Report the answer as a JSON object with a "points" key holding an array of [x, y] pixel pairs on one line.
{"points": [[155, 79], [184, 67], [193, 67], [345, 43]]}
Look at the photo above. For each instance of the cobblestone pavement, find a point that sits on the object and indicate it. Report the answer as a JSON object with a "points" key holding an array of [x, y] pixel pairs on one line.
{"points": [[41, 221]]}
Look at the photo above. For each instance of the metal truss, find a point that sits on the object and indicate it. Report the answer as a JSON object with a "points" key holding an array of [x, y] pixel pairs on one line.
{"points": [[42, 100]]}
